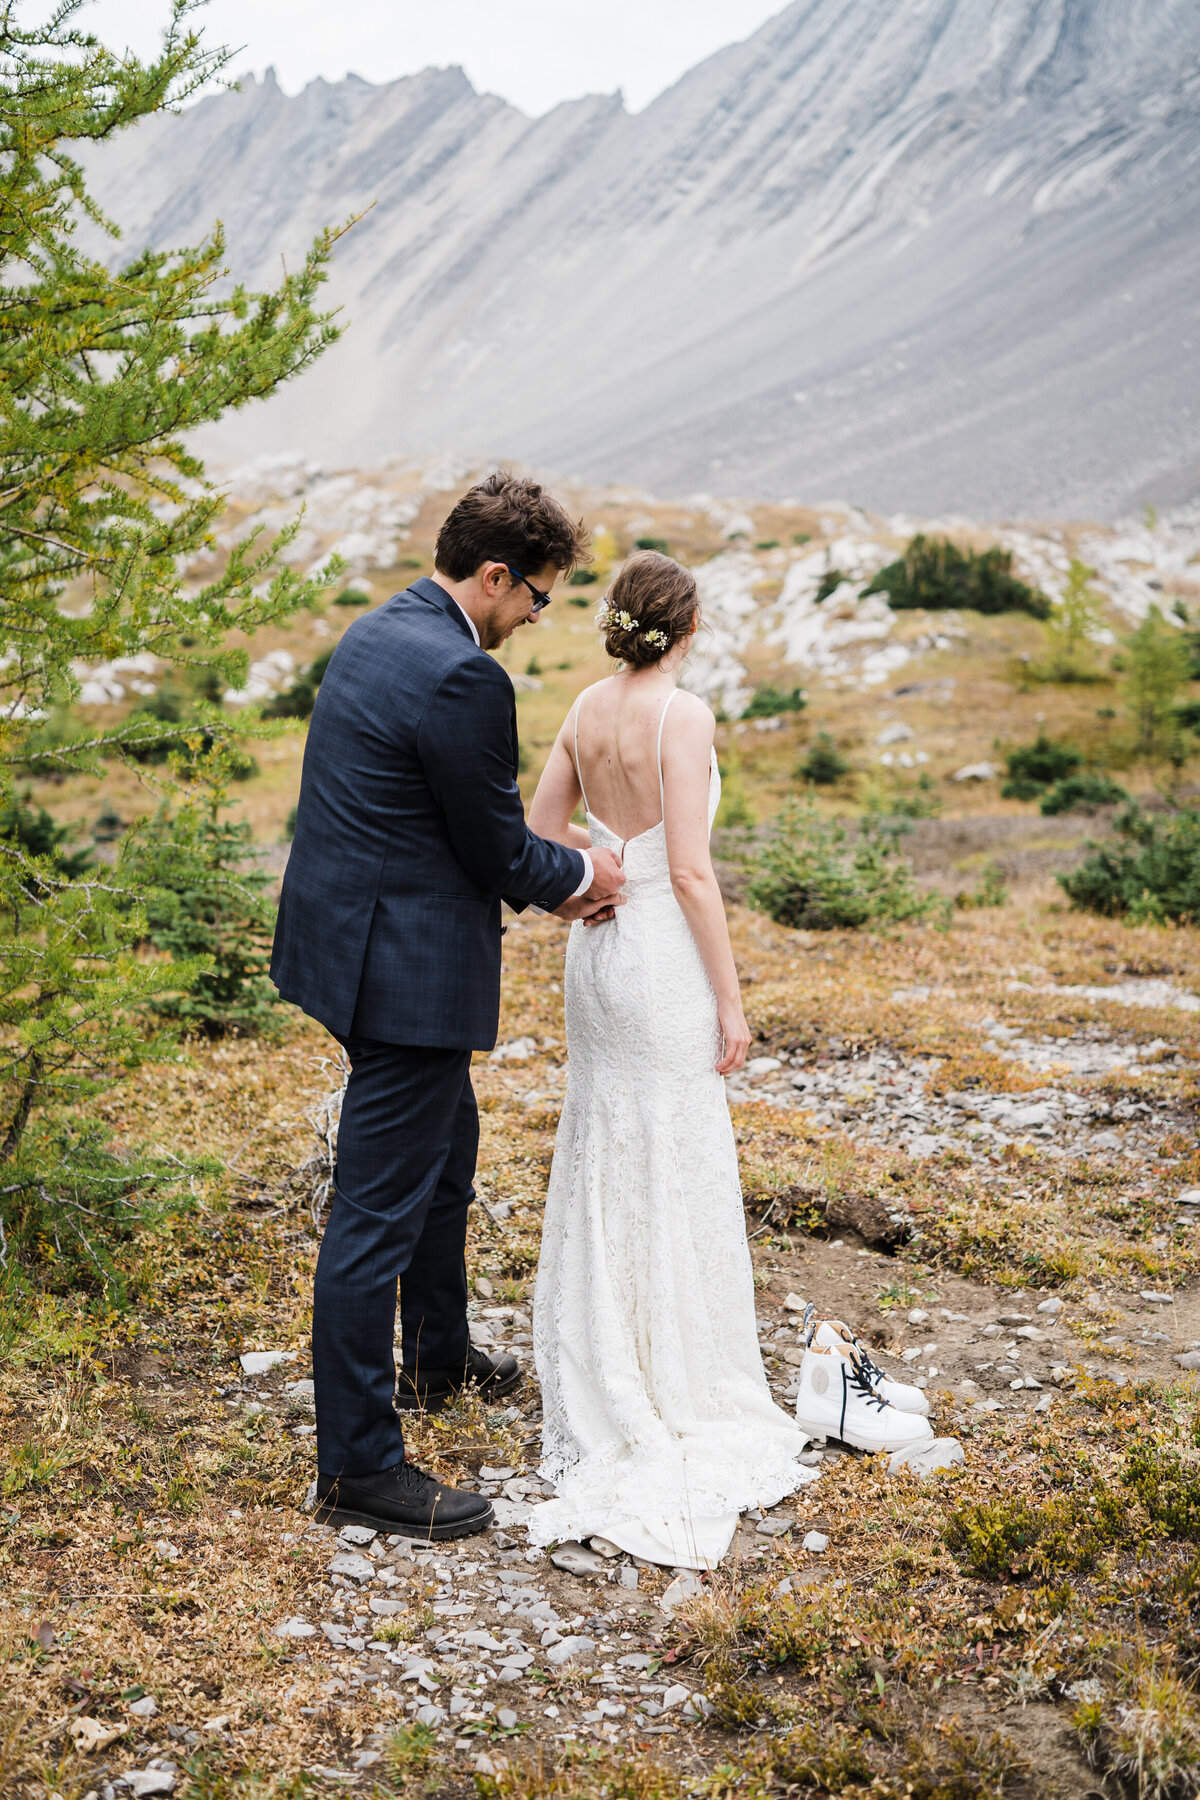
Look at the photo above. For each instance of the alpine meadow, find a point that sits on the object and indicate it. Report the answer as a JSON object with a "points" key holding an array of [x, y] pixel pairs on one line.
{"points": [[839, 325]]}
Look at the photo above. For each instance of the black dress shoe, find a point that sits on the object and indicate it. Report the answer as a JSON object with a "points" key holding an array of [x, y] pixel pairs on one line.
{"points": [[431, 1390], [403, 1500]]}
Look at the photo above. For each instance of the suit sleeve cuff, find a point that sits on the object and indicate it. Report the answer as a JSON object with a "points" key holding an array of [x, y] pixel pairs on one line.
{"points": [[589, 875]]}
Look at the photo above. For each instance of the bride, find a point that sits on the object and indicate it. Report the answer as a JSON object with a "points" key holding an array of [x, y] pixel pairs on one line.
{"points": [[659, 1425]]}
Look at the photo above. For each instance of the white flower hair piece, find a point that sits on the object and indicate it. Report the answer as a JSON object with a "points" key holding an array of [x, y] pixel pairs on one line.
{"points": [[657, 639], [622, 620]]}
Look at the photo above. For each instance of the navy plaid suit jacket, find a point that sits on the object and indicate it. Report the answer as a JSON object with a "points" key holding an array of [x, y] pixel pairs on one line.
{"points": [[409, 832]]}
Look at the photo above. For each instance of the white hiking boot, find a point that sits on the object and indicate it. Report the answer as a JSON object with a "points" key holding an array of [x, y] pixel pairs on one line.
{"points": [[837, 1400], [834, 1334]]}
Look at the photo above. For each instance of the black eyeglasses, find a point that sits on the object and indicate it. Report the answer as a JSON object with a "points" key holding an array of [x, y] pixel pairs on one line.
{"points": [[540, 600]]}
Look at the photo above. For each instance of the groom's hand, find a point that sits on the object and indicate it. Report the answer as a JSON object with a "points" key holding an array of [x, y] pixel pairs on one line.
{"points": [[600, 901], [607, 873]]}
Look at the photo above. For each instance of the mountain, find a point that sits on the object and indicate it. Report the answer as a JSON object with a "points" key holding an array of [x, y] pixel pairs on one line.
{"points": [[925, 254]]}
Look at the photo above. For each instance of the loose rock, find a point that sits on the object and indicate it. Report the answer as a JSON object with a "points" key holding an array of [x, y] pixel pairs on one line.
{"points": [[576, 1559], [354, 1568], [143, 1782], [260, 1362], [356, 1537], [927, 1458], [684, 1587]]}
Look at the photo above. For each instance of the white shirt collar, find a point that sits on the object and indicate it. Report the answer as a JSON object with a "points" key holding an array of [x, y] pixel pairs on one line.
{"points": [[470, 621]]}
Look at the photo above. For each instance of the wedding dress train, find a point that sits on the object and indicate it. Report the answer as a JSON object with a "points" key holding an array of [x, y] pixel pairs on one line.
{"points": [[659, 1425]]}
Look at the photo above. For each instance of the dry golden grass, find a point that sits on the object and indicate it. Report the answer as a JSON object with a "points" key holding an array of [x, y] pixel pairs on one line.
{"points": [[150, 1536]]}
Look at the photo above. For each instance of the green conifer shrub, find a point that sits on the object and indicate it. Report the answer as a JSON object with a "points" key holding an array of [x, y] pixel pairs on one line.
{"points": [[33, 829], [1071, 627], [829, 583], [208, 907], [935, 574], [810, 874], [298, 700], [824, 764], [1083, 791], [768, 702], [1155, 663], [1032, 768], [105, 374], [1150, 875]]}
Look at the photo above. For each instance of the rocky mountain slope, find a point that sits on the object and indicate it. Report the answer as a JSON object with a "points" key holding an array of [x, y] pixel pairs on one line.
{"points": [[923, 253]]}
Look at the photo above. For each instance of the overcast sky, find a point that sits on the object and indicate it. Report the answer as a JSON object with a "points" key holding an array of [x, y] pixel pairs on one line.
{"points": [[533, 52]]}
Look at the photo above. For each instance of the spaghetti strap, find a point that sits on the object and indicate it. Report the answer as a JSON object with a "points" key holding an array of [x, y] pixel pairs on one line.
{"points": [[578, 771], [662, 719]]}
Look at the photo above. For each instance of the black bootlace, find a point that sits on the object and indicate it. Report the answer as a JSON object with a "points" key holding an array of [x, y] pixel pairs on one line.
{"points": [[409, 1476], [860, 1354], [853, 1376]]}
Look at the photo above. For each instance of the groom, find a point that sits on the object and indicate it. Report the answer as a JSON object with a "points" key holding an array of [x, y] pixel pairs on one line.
{"points": [[409, 831]]}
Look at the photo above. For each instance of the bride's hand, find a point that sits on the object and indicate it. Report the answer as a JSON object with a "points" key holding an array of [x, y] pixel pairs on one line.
{"points": [[736, 1034]]}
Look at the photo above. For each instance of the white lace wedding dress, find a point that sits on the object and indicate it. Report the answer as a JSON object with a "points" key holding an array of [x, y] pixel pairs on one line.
{"points": [[659, 1425]]}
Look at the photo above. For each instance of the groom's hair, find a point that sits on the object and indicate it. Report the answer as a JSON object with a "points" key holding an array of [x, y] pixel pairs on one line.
{"points": [[508, 519]]}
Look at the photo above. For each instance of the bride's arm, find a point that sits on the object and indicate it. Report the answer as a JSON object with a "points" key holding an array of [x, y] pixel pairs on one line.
{"points": [[557, 796], [686, 760]]}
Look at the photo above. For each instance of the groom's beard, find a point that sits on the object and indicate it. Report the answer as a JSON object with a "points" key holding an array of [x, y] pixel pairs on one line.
{"points": [[495, 631]]}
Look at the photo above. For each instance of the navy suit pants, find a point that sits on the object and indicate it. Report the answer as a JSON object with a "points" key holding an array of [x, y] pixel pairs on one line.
{"points": [[407, 1145]]}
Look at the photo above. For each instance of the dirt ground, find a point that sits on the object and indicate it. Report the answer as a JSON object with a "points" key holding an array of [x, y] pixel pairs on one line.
{"points": [[973, 1632]]}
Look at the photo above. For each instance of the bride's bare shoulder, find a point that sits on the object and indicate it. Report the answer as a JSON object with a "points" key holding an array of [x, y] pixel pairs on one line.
{"points": [[692, 715]]}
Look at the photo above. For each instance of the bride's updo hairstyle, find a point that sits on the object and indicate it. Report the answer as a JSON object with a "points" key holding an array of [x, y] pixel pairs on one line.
{"points": [[649, 608]]}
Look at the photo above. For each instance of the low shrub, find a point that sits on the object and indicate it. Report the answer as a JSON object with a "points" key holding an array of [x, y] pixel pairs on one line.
{"points": [[991, 890], [1082, 792], [1147, 1732], [769, 701], [811, 875], [207, 897], [1032, 768], [1150, 876], [1168, 1485], [816, 1756], [35, 830], [582, 578], [935, 574], [355, 596], [824, 764], [653, 543], [998, 1538], [830, 582], [298, 700], [951, 1762]]}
